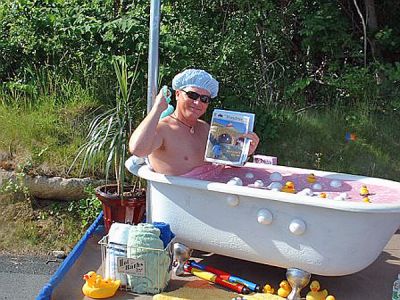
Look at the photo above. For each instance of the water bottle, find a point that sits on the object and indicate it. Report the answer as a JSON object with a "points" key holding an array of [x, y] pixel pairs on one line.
{"points": [[396, 289]]}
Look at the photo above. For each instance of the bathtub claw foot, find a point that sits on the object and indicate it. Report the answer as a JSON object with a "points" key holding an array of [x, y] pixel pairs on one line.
{"points": [[297, 279], [181, 254]]}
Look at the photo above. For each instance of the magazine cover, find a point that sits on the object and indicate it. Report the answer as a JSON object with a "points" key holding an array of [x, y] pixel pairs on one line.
{"points": [[225, 144]]}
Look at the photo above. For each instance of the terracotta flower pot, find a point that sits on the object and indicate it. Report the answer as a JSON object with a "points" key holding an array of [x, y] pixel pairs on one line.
{"points": [[130, 209]]}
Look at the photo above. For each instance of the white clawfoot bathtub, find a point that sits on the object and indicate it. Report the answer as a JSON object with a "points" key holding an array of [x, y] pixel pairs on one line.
{"points": [[328, 238]]}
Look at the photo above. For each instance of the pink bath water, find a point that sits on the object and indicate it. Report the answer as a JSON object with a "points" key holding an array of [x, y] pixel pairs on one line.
{"points": [[248, 175]]}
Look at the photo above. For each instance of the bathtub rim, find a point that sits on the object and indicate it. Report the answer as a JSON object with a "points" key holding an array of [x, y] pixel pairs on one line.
{"points": [[145, 172]]}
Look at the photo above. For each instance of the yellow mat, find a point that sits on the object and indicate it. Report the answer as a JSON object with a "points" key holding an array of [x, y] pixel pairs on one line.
{"points": [[202, 290]]}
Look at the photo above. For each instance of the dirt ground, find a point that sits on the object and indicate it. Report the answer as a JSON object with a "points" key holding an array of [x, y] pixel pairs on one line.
{"points": [[36, 227]]}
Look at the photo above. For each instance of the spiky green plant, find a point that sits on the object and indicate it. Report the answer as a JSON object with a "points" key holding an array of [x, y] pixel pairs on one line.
{"points": [[109, 131]]}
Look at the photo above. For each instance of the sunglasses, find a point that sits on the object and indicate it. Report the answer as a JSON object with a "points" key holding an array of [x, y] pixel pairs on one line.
{"points": [[195, 96]]}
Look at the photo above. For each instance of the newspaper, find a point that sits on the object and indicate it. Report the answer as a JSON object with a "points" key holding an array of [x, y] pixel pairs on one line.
{"points": [[226, 144]]}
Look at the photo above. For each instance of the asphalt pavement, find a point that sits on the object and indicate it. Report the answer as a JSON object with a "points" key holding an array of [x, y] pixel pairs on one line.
{"points": [[22, 277]]}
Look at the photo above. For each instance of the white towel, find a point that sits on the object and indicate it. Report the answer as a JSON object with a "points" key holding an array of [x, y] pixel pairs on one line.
{"points": [[119, 233], [116, 247]]}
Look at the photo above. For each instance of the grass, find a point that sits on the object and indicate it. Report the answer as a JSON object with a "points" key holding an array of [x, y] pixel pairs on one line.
{"points": [[36, 228], [41, 135], [316, 139], [44, 138], [39, 226]]}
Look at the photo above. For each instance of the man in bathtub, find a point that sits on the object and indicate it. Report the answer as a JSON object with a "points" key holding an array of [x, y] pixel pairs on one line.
{"points": [[175, 145]]}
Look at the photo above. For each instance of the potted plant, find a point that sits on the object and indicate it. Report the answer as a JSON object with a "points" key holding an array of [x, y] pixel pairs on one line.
{"points": [[109, 133]]}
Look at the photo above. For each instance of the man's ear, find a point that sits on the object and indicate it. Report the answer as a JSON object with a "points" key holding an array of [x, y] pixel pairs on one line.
{"points": [[177, 94]]}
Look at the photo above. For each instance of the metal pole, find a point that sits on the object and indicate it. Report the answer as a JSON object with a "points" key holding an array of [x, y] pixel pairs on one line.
{"points": [[155, 7], [152, 70]]}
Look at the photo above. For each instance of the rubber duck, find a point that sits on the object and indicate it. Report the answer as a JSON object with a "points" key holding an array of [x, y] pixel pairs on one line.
{"points": [[323, 195], [366, 200], [311, 178], [98, 288], [330, 297], [268, 289], [284, 289], [288, 187], [315, 293], [364, 190]]}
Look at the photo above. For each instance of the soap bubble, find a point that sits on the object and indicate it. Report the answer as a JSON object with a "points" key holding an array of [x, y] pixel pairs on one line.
{"points": [[306, 192], [341, 197], [317, 186], [258, 183], [235, 181], [275, 176], [249, 175], [275, 186], [336, 183]]}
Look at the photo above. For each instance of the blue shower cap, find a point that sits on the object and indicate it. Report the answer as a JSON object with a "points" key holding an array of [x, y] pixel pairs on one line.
{"points": [[196, 78]]}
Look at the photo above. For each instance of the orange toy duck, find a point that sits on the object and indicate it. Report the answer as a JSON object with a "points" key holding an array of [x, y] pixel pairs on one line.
{"points": [[98, 288], [288, 187], [284, 289]]}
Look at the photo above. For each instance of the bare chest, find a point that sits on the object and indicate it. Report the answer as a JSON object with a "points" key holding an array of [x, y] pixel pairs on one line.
{"points": [[186, 147]]}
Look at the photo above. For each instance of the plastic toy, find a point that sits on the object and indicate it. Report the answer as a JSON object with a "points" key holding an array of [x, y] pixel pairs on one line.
{"points": [[323, 195], [167, 95], [311, 178], [366, 200], [268, 289], [350, 137], [284, 289], [236, 287], [330, 297], [288, 187], [315, 293], [226, 276], [98, 288], [364, 191]]}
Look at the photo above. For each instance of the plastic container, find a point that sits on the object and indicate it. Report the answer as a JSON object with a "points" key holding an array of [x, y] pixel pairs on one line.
{"points": [[130, 209], [396, 289], [116, 265]]}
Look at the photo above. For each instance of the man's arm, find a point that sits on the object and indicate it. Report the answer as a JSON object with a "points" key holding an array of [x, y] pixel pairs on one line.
{"points": [[145, 139]]}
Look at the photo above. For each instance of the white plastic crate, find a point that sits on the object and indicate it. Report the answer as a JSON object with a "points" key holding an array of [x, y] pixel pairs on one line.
{"points": [[141, 270]]}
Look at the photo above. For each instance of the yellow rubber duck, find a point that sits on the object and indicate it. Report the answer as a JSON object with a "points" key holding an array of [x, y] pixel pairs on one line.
{"points": [[311, 178], [366, 199], [268, 289], [315, 293], [98, 288], [330, 297], [288, 187], [323, 195], [364, 191], [284, 289]]}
